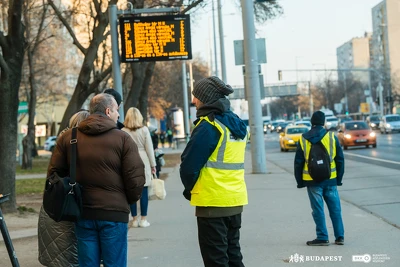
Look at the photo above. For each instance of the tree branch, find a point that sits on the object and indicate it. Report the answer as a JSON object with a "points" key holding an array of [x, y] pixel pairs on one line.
{"points": [[69, 29], [99, 78], [192, 5]]}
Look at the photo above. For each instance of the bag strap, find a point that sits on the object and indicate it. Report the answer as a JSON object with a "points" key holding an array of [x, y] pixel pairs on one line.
{"points": [[72, 167]]}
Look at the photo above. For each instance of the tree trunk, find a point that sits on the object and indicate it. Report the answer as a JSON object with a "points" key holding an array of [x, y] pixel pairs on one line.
{"points": [[29, 140], [138, 74], [11, 60], [144, 94]]}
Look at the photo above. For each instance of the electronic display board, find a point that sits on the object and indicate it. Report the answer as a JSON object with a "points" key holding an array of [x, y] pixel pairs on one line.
{"points": [[155, 38]]}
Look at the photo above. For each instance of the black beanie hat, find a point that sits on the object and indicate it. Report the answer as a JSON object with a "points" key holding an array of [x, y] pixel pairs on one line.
{"points": [[115, 94], [318, 118], [210, 89]]}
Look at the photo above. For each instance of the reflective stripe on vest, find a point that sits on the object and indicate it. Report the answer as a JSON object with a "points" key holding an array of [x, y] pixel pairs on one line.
{"points": [[220, 164]]}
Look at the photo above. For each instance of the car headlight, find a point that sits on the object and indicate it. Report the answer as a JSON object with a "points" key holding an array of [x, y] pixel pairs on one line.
{"points": [[290, 140], [373, 124], [372, 134], [347, 136], [387, 125]]}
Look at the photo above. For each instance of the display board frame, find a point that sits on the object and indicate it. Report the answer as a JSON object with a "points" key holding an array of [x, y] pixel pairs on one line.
{"points": [[155, 38]]}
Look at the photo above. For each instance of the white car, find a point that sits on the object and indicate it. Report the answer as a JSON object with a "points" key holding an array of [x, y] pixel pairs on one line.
{"points": [[50, 143], [389, 123], [331, 122]]}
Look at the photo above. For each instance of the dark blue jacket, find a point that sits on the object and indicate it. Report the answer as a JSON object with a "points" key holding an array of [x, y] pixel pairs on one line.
{"points": [[202, 144], [316, 133]]}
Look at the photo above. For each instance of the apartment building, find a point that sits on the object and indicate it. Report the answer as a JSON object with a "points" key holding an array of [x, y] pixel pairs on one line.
{"points": [[385, 44], [355, 54]]}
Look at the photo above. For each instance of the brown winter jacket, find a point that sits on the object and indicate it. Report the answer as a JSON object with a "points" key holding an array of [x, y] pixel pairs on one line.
{"points": [[108, 168]]}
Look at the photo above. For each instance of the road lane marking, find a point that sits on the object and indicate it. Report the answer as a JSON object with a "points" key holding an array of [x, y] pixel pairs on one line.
{"points": [[365, 157]]}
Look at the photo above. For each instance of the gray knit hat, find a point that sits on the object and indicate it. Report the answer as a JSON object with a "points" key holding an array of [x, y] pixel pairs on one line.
{"points": [[210, 89]]}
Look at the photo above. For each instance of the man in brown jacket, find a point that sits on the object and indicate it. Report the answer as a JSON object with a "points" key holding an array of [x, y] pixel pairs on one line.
{"points": [[111, 174]]}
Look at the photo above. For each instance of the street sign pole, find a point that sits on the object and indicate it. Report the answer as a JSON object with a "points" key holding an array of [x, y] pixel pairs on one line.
{"points": [[252, 87]]}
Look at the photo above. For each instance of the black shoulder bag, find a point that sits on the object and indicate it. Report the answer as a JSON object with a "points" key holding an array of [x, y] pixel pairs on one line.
{"points": [[62, 199]]}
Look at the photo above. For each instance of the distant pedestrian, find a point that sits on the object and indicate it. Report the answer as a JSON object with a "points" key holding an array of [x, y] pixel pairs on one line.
{"points": [[56, 240], [325, 190], [154, 137], [212, 172], [118, 98], [141, 136], [111, 174], [170, 137], [162, 138]]}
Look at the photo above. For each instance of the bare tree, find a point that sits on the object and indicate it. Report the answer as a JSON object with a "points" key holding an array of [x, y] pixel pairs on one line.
{"points": [[12, 46]]}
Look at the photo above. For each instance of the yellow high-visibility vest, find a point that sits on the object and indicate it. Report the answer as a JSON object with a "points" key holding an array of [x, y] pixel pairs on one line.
{"points": [[221, 180], [329, 143]]}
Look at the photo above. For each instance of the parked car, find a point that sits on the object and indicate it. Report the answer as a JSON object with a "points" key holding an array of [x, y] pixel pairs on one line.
{"points": [[289, 138], [50, 143], [373, 121], [331, 122], [356, 133], [389, 123]]}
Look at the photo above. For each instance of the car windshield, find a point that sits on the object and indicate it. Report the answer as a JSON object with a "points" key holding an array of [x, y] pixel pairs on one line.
{"points": [[297, 130], [303, 123], [393, 118], [374, 118], [356, 126]]}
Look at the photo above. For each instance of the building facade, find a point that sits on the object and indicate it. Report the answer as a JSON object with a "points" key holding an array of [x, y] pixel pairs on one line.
{"points": [[354, 54], [385, 47]]}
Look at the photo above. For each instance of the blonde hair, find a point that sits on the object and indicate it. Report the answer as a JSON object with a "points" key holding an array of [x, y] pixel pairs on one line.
{"points": [[133, 119], [78, 117]]}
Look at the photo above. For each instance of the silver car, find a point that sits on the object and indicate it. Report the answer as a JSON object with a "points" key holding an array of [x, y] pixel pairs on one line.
{"points": [[389, 123], [50, 143]]}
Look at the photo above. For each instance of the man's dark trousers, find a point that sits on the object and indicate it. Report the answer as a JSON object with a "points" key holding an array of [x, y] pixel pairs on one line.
{"points": [[219, 241]]}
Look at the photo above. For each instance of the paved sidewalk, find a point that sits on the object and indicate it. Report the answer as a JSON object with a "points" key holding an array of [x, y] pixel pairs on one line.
{"points": [[276, 224]]}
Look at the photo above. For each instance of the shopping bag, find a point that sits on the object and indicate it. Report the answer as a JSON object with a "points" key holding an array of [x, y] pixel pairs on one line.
{"points": [[157, 189]]}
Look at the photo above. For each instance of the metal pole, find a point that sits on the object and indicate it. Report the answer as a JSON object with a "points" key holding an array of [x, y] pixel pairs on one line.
{"points": [[215, 40], [380, 90], [116, 69], [345, 93], [252, 87], [370, 94], [185, 103], [191, 79], [221, 42]]}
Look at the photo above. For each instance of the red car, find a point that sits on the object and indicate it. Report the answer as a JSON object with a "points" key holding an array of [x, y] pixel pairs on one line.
{"points": [[356, 133]]}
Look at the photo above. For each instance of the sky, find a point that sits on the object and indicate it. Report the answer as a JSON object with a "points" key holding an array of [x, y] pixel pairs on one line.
{"points": [[304, 37]]}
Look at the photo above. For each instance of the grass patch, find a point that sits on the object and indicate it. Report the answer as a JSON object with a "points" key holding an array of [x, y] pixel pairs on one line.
{"points": [[29, 186], [39, 165], [32, 186]]}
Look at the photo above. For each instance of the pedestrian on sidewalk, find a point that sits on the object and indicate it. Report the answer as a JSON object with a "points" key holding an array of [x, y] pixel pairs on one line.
{"points": [[111, 175], [56, 240], [118, 99], [324, 189], [141, 136], [212, 173]]}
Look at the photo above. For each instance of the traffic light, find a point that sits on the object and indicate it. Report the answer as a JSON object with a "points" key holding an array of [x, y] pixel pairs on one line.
{"points": [[280, 75]]}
